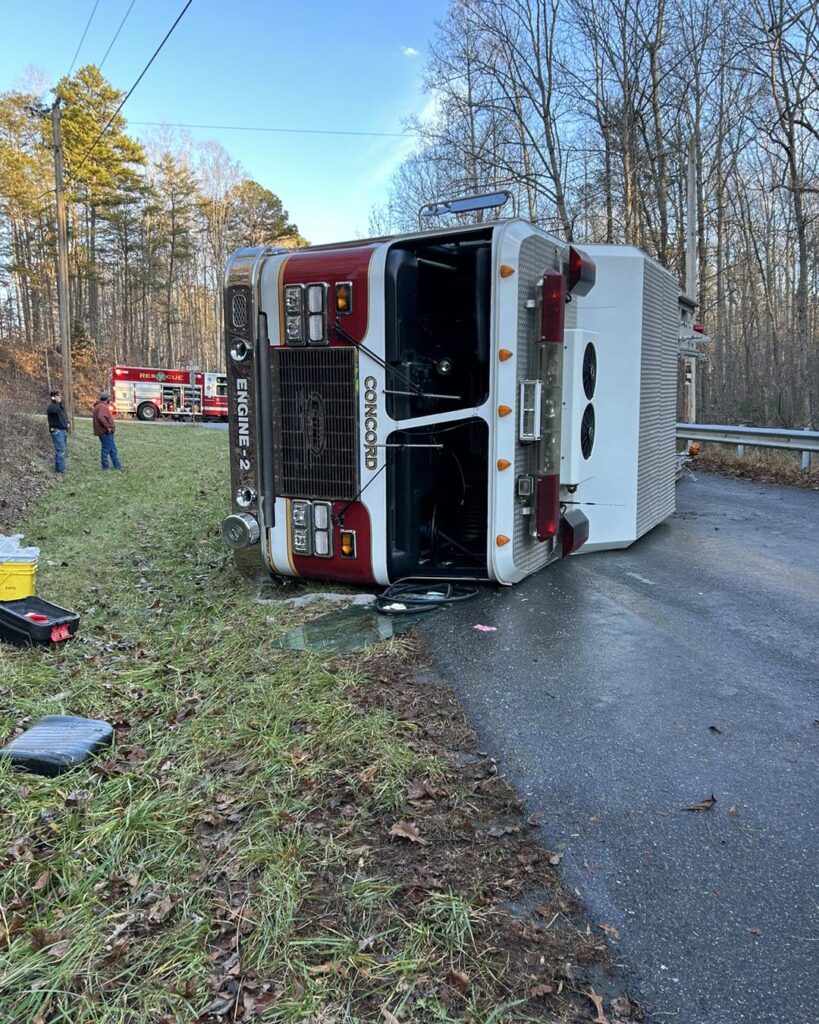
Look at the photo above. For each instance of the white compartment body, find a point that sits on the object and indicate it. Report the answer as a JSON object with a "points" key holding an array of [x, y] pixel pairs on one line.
{"points": [[626, 486]]}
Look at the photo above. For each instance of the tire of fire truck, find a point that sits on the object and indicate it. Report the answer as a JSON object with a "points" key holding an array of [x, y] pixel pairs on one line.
{"points": [[147, 411]]}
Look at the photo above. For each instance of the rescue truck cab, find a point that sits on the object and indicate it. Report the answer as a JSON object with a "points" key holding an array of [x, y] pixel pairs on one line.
{"points": [[423, 406]]}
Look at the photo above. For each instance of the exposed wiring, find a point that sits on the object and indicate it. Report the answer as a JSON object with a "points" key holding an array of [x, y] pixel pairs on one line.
{"points": [[282, 131], [418, 598]]}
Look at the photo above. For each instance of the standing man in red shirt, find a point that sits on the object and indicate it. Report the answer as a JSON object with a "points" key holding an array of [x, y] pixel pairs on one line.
{"points": [[104, 428]]}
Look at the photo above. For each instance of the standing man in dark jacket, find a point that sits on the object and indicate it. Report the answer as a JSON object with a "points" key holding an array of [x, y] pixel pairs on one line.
{"points": [[104, 428], [58, 426]]}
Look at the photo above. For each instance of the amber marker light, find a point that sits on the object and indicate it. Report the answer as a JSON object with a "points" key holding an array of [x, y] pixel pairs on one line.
{"points": [[504, 354], [506, 270], [504, 410], [504, 464], [501, 539], [347, 543], [344, 297]]}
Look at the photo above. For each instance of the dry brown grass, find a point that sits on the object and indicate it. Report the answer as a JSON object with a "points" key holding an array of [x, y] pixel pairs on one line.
{"points": [[764, 465]]}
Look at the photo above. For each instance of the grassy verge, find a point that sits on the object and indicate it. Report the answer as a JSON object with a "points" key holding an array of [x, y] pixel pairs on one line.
{"points": [[231, 859]]}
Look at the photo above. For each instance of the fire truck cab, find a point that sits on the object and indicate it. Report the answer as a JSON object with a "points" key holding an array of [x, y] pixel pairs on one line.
{"points": [[414, 407]]}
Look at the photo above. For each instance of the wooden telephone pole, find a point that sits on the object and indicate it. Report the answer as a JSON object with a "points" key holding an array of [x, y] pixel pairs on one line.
{"points": [[62, 266]]}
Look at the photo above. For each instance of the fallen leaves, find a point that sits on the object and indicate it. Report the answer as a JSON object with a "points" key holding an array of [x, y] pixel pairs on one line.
{"points": [[60, 949], [555, 859], [42, 882], [704, 805], [160, 910], [610, 930], [458, 980], [406, 830], [419, 790]]}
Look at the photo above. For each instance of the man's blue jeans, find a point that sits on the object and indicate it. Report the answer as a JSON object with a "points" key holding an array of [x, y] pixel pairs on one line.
{"points": [[109, 448], [59, 438]]}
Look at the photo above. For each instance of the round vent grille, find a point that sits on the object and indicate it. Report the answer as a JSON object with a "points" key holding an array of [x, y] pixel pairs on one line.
{"points": [[587, 431], [589, 372]]}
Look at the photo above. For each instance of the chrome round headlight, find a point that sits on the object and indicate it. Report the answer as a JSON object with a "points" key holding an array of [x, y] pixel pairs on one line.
{"points": [[239, 350], [240, 530]]}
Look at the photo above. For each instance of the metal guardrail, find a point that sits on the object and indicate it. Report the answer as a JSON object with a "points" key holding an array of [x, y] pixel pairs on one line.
{"points": [[804, 441]]}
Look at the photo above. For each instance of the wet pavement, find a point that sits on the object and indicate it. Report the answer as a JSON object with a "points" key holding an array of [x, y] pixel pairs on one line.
{"points": [[621, 687]]}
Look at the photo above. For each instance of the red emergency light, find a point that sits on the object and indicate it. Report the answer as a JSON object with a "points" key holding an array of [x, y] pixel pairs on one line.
{"points": [[580, 272], [547, 506], [553, 308]]}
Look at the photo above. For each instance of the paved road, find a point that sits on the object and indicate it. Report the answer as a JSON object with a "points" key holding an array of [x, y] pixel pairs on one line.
{"points": [[597, 694]]}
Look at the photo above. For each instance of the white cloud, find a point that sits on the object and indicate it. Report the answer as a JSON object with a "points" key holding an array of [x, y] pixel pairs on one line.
{"points": [[410, 51]]}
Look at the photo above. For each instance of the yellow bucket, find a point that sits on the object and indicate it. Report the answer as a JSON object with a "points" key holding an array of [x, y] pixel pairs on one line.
{"points": [[17, 580]]}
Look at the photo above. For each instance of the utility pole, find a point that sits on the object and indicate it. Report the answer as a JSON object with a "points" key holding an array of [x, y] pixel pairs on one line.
{"points": [[62, 266], [690, 386]]}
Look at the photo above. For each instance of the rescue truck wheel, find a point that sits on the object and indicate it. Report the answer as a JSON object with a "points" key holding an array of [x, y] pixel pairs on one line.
{"points": [[147, 411]]}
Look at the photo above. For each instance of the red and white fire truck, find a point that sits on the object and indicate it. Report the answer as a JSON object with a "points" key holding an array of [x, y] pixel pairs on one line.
{"points": [[178, 394], [467, 403]]}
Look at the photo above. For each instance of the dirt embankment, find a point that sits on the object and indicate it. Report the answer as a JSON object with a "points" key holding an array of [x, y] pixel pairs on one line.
{"points": [[26, 459]]}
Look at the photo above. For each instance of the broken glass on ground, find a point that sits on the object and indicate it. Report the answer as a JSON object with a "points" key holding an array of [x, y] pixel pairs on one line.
{"points": [[345, 631]]}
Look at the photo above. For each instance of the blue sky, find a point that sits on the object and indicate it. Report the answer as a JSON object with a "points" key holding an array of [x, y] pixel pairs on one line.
{"points": [[321, 65]]}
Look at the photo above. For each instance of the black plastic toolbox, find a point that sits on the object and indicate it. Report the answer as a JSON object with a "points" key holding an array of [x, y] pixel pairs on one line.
{"points": [[31, 620]]}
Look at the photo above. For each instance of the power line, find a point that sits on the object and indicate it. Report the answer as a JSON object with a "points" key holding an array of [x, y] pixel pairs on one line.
{"points": [[124, 19], [291, 131], [82, 37], [155, 54]]}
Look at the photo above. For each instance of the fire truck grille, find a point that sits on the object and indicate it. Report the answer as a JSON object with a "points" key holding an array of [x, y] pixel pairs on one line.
{"points": [[315, 425]]}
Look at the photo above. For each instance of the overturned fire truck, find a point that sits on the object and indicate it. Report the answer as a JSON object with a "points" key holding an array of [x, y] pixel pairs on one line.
{"points": [[468, 403]]}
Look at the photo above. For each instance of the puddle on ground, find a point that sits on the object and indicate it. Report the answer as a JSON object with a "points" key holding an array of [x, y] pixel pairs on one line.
{"points": [[345, 631]]}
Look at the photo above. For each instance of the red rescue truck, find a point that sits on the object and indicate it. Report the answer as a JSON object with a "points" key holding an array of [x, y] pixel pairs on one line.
{"points": [[148, 393], [467, 403]]}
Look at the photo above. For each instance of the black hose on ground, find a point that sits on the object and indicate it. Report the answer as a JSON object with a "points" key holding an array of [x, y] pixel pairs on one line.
{"points": [[417, 598]]}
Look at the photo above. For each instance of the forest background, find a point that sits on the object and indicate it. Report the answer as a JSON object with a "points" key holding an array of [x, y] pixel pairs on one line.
{"points": [[584, 109]]}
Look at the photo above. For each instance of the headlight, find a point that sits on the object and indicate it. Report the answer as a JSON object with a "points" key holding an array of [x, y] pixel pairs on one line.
{"points": [[316, 328], [315, 297], [240, 530], [322, 527], [294, 327], [294, 298]]}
